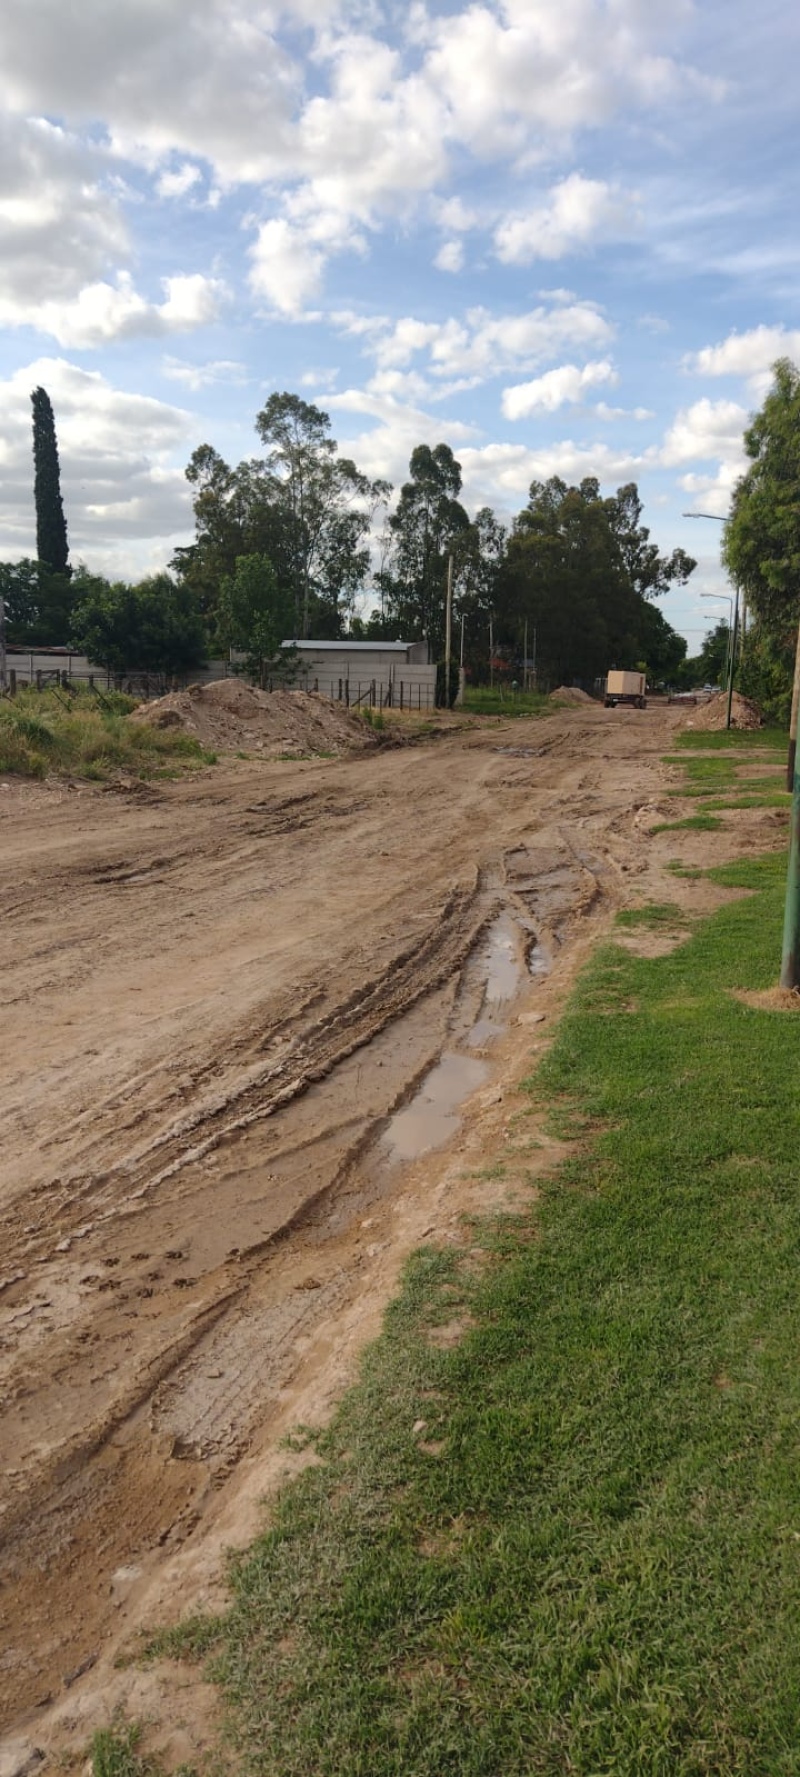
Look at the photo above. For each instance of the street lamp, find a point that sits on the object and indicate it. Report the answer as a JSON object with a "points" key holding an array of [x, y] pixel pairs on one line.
{"points": [[718, 520], [725, 598]]}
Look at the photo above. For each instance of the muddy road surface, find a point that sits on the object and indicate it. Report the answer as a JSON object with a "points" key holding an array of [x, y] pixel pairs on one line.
{"points": [[235, 1008]]}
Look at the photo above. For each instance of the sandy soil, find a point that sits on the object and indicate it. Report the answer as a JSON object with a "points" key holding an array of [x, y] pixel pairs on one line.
{"points": [[264, 1030]]}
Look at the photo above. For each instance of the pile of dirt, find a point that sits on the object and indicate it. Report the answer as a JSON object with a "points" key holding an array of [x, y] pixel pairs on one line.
{"points": [[714, 714], [234, 717], [570, 694]]}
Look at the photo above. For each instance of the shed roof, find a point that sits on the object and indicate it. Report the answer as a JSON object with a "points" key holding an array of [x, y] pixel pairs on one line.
{"points": [[345, 646]]}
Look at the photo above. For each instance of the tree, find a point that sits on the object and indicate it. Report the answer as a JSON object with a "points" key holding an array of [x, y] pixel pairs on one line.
{"points": [[51, 525], [256, 614], [328, 504], [303, 506], [152, 627], [761, 545], [582, 571], [428, 525]]}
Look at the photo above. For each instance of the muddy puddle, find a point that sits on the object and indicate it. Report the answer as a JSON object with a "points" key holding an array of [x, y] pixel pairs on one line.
{"points": [[492, 981], [432, 1116]]}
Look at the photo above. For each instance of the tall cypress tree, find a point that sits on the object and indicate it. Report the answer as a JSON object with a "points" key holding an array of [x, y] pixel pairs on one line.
{"points": [[51, 526]]}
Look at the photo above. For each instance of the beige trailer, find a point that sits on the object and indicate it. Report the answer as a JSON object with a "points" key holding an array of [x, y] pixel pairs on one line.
{"points": [[626, 688]]}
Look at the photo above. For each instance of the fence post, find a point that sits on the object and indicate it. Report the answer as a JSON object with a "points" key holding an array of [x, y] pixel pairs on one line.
{"points": [[12, 681], [38, 678]]}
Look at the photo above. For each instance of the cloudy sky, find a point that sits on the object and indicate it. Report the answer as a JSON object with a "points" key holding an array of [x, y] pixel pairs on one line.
{"points": [[558, 235]]}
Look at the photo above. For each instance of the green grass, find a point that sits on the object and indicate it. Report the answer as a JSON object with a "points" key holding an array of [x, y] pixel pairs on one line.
{"points": [[45, 733], [726, 782], [483, 700], [569, 1542], [655, 916], [113, 1752], [694, 823], [720, 739]]}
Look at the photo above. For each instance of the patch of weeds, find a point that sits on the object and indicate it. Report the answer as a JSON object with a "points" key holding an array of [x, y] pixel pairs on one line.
{"points": [[691, 872], [656, 915], [191, 1640], [113, 1752], [697, 823], [718, 740]]}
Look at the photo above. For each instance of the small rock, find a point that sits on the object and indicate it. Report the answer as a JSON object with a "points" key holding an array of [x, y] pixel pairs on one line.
{"points": [[418, 1426]]}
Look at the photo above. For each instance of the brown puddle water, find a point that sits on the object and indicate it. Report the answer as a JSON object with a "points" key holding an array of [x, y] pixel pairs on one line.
{"points": [[431, 1117]]}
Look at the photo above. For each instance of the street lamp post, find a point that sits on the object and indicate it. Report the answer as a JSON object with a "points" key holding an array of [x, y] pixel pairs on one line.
{"points": [[724, 597], [715, 516]]}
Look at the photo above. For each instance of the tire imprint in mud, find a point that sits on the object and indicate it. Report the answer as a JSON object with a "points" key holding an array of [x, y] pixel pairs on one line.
{"points": [[179, 1403]]}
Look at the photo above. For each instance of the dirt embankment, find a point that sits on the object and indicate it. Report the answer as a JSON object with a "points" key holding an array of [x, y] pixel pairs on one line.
{"points": [[236, 717], [714, 713], [218, 999]]}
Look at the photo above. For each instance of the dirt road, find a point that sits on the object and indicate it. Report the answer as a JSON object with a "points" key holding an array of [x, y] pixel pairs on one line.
{"points": [[218, 994]]}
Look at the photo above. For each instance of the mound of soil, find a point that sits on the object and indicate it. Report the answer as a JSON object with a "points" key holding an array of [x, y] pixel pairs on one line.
{"points": [[234, 717], [714, 714], [570, 694]]}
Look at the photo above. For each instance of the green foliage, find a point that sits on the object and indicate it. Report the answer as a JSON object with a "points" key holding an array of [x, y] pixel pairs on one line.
{"points": [[39, 737], [305, 508], [427, 526], [51, 526], [113, 1752], [581, 569], [256, 615], [762, 536], [153, 627]]}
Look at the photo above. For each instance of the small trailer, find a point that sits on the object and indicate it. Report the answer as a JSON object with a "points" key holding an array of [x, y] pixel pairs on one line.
{"points": [[626, 688]]}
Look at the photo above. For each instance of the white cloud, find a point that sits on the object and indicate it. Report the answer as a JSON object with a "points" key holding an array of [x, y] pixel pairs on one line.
{"points": [[480, 344], [707, 429], [500, 474], [567, 384], [59, 225], [576, 213], [450, 256], [103, 311], [178, 183], [367, 128], [751, 354], [203, 376]]}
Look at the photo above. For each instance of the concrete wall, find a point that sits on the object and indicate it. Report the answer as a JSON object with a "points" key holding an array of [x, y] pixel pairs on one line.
{"points": [[336, 674]]}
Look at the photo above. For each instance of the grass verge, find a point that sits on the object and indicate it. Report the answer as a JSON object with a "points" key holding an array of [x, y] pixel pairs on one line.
{"points": [[43, 733], [487, 701], [556, 1528], [718, 769]]}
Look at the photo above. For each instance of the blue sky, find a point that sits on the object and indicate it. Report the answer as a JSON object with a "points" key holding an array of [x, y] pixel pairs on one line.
{"points": [[559, 235]]}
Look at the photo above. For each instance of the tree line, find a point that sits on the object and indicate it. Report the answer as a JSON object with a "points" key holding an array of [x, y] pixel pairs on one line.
{"points": [[297, 541]]}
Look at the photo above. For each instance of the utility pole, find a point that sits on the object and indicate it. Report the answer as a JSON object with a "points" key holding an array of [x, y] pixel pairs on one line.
{"points": [[734, 636], [525, 658], [448, 628], [491, 650], [3, 671]]}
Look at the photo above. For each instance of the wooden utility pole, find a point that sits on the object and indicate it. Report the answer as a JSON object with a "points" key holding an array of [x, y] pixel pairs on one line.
{"points": [[3, 671]]}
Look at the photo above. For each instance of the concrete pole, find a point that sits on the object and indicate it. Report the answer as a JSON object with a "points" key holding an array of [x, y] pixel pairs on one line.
{"points": [[733, 657], [790, 960], [793, 717], [448, 631]]}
